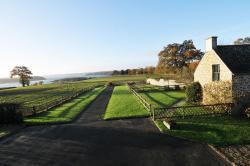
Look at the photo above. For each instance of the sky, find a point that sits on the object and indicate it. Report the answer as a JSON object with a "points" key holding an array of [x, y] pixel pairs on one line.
{"points": [[75, 36]]}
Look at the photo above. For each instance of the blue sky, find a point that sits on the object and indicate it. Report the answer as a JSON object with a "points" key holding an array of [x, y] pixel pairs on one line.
{"points": [[71, 36]]}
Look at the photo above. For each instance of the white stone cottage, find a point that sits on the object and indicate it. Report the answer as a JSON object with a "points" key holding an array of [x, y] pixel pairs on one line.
{"points": [[225, 63]]}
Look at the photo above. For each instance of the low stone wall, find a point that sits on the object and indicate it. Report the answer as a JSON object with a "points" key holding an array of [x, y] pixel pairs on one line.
{"points": [[163, 82], [241, 85], [217, 92]]}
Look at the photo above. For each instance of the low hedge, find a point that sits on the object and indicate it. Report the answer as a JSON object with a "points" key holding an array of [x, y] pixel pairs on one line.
{"points": [[9, 113]]}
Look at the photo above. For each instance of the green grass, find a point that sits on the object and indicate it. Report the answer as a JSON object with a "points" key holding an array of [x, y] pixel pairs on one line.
{"points": [[65, 112], [2, 133], [40, 95], [118, 78], [159, 98], [123, 104], [219, 131]]}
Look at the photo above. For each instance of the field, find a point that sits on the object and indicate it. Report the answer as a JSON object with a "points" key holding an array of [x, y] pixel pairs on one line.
{"points": [[123, 104], [65, 112], [117, 79], [40, 95], [219, 131]]}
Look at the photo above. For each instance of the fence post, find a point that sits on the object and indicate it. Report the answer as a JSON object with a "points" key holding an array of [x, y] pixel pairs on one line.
{"points": [[153, 111], [34, 110]]}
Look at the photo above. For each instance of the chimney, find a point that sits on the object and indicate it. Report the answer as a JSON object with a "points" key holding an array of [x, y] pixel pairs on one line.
{"points": [[211, 43]]}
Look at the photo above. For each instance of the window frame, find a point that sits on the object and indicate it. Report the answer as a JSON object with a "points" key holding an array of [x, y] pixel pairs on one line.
{"points": [[216, 72]]}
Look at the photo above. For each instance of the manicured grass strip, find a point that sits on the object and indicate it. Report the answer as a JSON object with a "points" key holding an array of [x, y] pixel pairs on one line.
{"points": [[163, 98], [123, 104], [2, 133], [219, 131], [65, 112]]}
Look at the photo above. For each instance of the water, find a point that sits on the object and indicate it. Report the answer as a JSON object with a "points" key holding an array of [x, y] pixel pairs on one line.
{"points": [[47, 81], [17, 84]]}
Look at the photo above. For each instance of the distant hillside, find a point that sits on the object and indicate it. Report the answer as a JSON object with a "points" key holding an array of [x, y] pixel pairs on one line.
{"points": [[79, 75], [70, 79], [99, 73], [14, 80], [62, 76]]}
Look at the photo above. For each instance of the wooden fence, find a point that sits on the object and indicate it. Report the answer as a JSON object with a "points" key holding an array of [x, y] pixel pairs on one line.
{"points": [[33, 110], [182, 111], [146, 105], [192, 111]]}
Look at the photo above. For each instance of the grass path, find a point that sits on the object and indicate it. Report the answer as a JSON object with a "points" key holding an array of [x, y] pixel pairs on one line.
{"points": [[123, 104], [67, 111]]}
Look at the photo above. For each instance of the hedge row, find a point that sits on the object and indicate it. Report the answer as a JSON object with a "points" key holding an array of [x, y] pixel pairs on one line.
{"points": [[9, 113]]}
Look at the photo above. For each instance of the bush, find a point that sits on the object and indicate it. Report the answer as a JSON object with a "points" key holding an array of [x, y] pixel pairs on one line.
{"points": [[177, 87], [194, 92], [9, 113], [218, 92]]}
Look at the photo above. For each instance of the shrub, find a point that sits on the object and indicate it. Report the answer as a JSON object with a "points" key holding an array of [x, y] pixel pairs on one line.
{"points": [[194, 92], [177, 87], [10, 114], [110, 84], [217, 92]]}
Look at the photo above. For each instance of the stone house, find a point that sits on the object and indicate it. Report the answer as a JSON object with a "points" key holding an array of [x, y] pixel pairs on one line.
{"points": [[225, 63]]}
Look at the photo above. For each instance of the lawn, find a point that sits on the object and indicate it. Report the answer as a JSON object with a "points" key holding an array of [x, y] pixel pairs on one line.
{"points": [[65, 112], [219, 131], [123, 104], [160, 98]]}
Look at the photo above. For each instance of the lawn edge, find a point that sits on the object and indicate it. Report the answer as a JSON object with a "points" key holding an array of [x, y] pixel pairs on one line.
{"points": [[12, 132], [210, 147], [221, 155], [128, 117], [69, 121]]}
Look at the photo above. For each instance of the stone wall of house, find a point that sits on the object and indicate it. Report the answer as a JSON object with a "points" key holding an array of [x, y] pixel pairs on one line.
{"points": [[203, 73], [241, 85], [217, 92]]}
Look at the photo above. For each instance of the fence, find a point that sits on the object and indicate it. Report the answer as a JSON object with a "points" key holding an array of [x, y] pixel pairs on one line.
{"points": [[182, 111], [192, 111], [146, 105], [33, 110]]}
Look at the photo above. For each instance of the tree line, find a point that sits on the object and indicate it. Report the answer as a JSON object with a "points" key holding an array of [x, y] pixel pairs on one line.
{"points": [[176, 58], [147, 70]]}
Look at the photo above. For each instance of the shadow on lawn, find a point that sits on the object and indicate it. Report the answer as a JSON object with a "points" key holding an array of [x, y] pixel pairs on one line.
{"points": [[220, 131], [155, 100]]}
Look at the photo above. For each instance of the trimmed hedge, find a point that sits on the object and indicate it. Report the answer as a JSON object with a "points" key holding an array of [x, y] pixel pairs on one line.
{"points": [[194, 92], [9, 113]]}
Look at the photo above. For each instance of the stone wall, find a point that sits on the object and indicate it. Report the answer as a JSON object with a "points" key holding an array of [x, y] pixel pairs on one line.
{"points": [[203, 73], [217, 92], [163, 82], [241, 85]]}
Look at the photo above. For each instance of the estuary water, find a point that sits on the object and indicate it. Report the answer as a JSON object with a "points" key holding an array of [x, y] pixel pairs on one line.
{"points": [[17, 84]]}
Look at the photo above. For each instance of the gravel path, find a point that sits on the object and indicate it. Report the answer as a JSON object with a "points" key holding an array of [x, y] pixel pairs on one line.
{"points": [[92, 141]]}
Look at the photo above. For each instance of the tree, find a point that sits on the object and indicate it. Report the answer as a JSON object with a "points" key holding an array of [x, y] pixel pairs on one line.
{"points": [[23, 73], [176, 56], [240, 41]]}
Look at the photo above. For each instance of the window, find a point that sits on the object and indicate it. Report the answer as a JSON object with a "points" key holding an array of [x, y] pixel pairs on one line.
{"points": [[216, 72]]}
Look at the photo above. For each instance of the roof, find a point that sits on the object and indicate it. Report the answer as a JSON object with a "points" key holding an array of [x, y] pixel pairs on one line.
{"points": [[236, 57]]}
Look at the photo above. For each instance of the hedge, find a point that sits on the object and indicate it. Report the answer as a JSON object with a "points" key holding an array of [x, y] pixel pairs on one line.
{"points": [[9, 113]]}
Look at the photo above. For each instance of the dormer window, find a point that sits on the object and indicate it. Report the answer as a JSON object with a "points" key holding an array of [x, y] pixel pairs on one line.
{"points": [[216, 72]]}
